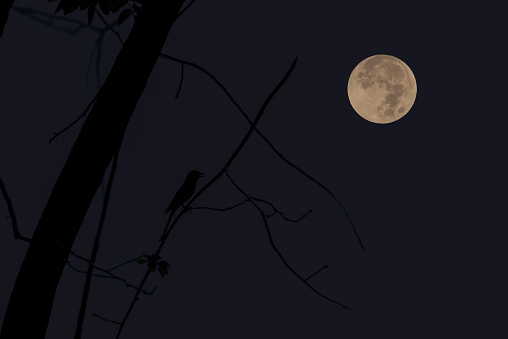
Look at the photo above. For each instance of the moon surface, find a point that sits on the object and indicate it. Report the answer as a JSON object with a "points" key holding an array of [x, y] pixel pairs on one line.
{"points": [[382, 89]]}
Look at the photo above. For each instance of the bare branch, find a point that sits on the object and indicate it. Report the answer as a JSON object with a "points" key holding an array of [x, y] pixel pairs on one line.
{"points": [[12, 215], [313, 274], [219, 209], [108, 272], [125, 263], [275, 210], [106, 320], [109, 275], [181, 82], [82, 115], [207, 185], [270, 239]]}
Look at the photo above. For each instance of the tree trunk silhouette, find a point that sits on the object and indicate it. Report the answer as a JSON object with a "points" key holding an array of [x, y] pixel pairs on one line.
{"points": [[5, 7], [31, 300]]}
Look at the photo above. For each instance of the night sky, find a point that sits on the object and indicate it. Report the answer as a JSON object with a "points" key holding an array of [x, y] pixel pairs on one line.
{"points": [[427, 193]]}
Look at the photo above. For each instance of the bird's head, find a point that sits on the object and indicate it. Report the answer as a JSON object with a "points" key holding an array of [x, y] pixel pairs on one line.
{"points": [[195, 175]]}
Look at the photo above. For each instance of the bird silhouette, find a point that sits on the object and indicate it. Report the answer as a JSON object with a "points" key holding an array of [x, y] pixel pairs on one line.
{"points": [[182, 195]]}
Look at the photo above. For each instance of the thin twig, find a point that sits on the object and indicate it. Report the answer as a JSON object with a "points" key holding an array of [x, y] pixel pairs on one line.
{"points": [[75, 269], [125, 263], [270, 239], [223, 209], [275, 210], [12, 215], [82, 115], [109, 275], [128, 284], [313, 274], [106, 320], [181, 82]]}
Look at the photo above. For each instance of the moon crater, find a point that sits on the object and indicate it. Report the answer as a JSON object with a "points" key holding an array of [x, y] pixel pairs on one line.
{"points": [[382, 89]]}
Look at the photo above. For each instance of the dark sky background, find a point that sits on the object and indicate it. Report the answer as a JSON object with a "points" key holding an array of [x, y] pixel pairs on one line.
{"points": [[427, 193]]}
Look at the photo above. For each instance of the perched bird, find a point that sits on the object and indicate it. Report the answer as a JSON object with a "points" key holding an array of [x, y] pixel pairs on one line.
{"points": [[182, 195]]}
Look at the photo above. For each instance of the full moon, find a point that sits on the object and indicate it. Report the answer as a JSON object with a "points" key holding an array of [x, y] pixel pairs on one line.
{"points": [[382, 89]]}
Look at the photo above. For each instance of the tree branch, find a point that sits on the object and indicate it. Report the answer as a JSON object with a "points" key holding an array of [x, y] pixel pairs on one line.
{"points": [[217, 208], [108, 272], [126, 262], [105, 320], [275, 210], [82, 115], [313, 274], [108, 275], [207, 185], [12, 215], [270, 239], [181, 82]]}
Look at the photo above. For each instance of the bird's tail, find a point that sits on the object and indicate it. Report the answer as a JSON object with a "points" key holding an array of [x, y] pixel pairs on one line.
{"points": [[164, 235]]}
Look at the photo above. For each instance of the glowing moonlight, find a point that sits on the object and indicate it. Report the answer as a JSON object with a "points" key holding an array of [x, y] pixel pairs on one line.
{"points": [[382, 89]]}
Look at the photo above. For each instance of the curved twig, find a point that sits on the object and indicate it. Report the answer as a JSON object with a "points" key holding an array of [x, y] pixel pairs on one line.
{"points": [[105, 320], [313, 274], [181, 82]]}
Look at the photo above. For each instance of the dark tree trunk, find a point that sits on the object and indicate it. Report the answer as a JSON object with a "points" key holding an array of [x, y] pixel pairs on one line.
{"points": [[30, 304], [5, 7]]}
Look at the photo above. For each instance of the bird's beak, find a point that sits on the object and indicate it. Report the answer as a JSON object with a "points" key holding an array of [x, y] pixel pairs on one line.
{"points": [[201, 174]]}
